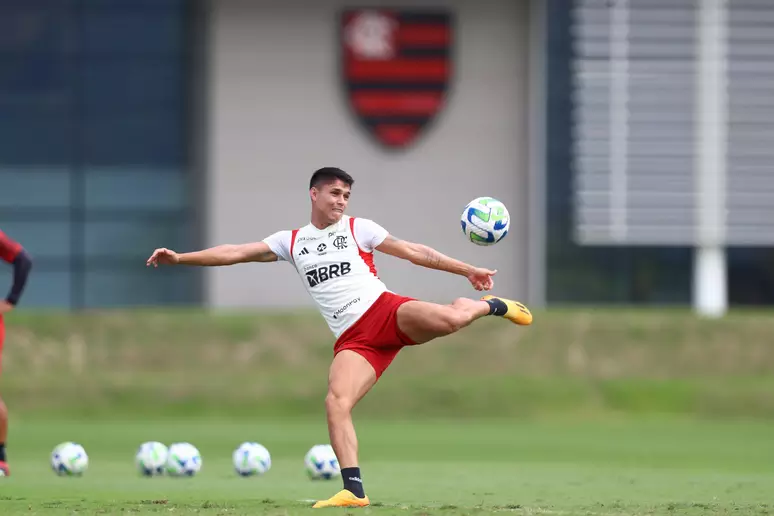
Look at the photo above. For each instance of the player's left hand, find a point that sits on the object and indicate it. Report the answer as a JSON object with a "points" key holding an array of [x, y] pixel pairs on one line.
{"points": [[5, 307], [481, 279]]}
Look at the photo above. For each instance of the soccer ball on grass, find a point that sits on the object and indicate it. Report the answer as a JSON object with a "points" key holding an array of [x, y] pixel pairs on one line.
{"points": [[183, 460], [321, 463], [251, 459], [485, 221], [69, 459], [151, 458]]}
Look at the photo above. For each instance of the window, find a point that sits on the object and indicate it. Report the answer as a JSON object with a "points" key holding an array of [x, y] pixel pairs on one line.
{"points": [[93, 150]]}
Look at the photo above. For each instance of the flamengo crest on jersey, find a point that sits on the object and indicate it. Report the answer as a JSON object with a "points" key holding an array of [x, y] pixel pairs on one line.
{"points": [[336, 272]]}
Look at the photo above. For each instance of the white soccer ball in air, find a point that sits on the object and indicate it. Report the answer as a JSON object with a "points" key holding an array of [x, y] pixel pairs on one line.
{"points": [[321, 463], [151, 458], [485, 221], [183, 460], [69, 459], [251, 459]]}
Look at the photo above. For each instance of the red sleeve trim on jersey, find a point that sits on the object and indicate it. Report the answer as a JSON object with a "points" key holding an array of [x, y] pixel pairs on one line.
{"points": [[368, 258], [293, 243], [9, 249]]}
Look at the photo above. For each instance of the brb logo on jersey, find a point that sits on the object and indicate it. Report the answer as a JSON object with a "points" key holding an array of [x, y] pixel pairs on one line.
{"points": [[321, 274]]}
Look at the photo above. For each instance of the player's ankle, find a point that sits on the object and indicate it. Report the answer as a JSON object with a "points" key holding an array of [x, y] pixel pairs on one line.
{"points": [[353, 482], [496, 306]]}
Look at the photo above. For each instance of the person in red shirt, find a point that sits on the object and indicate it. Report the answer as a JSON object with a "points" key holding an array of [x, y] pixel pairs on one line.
{"points": [[11, 252]]}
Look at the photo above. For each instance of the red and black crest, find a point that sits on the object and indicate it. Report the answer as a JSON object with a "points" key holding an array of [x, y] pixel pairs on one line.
{"points": [[397, 67]]}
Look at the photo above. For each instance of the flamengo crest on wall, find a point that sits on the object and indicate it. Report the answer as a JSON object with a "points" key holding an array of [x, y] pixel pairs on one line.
{"points": [[396, 65]]}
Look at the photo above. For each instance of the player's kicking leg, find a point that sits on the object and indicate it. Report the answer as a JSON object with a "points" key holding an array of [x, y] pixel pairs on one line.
{"points": [[350, 378], [423, 322]]}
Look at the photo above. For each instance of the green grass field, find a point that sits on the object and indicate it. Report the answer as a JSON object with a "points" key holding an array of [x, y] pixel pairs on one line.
{"points": [[588, 412], [647, 466]]}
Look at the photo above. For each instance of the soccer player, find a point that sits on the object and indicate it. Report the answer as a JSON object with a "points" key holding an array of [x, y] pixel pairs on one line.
{"points": [[333, 255], [13, 253]]}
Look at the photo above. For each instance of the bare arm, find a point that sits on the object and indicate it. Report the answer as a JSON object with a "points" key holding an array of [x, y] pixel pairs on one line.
{"points": [[420, 254], [227, 254]]}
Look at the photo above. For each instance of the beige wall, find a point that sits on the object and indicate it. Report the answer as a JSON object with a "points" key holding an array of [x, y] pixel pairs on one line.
{"points": [[277, 113]]}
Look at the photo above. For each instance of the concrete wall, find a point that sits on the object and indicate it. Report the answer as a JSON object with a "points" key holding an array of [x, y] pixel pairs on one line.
{"points": [[277, 112]]}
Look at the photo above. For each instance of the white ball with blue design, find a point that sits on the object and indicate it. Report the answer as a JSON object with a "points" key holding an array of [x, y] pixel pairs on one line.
{"points": [[485, 221], [183, 460], [251, 459], [69, 459], [321, 463], [151, 458]]}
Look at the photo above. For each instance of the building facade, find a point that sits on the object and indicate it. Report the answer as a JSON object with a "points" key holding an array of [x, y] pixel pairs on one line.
{"points": [[133, 124]]}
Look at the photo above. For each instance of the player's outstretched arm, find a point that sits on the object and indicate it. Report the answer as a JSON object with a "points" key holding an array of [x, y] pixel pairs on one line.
{"points": [[420, 254], [228, 254]]}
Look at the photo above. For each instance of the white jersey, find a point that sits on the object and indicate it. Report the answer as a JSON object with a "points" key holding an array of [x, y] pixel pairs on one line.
{"points": [[336, 265]]}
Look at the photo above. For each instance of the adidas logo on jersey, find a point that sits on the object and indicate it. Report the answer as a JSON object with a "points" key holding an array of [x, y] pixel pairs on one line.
{"points": [[303, 252]]}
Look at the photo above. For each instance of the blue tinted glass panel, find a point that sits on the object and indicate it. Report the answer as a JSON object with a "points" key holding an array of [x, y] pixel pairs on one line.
{"points": [[135, 238], [134, 187], [751, 276], [137, 5], [35, 26], [44, 289], [131, 84], [150, 138], [114, 32], [34, 136], [34, 187], [41, 79], [142, 286], [44, 239]]}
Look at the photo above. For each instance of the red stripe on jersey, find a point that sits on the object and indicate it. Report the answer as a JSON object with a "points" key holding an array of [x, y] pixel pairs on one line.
{"points": [[8, 248], [293, 243], [368, 258]]}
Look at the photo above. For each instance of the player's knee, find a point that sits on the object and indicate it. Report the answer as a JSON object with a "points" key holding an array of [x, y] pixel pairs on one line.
{"points": [[338, 404], [3, 410]]}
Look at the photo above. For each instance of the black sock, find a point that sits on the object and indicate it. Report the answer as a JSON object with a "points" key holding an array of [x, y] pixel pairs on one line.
{"points": [[2, 452], [496, 307], [352, 481]]}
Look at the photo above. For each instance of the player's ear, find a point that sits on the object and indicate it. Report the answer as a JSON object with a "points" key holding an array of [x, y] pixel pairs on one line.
{"points": [[313, 193]]}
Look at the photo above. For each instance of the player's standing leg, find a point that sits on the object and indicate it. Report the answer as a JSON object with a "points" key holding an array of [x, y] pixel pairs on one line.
{"points": [[11, 252], [350, 378], [3, 414]]}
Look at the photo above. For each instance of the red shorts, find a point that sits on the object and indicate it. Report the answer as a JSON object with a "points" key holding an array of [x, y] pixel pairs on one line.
{"points": [[376, 336]]}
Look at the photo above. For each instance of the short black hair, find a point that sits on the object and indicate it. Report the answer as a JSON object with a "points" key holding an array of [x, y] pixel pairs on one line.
{"points": [[327, 175]]}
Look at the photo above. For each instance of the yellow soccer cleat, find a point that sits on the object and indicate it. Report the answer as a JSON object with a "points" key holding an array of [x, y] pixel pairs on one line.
{"points": [[516, 312], [343, 498]]}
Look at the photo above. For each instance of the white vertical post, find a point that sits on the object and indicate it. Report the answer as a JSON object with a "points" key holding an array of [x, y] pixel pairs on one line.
{"points": [[619, 117], [710, 296]]}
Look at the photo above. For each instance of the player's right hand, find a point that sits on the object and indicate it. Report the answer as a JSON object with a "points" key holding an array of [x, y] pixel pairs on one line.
{"points": [[163, 256], [5, 307]]}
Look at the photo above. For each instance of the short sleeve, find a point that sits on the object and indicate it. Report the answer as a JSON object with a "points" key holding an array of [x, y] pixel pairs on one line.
{"points": [[369, 234], [279, 243], [8, 248]]}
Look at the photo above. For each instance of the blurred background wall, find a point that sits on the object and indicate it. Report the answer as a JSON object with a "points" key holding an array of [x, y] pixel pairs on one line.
{"points": [[276, 116], [128, 125]]}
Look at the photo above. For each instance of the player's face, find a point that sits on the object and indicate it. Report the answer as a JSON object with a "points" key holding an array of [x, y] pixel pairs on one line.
{"points": [[331, 200]]}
